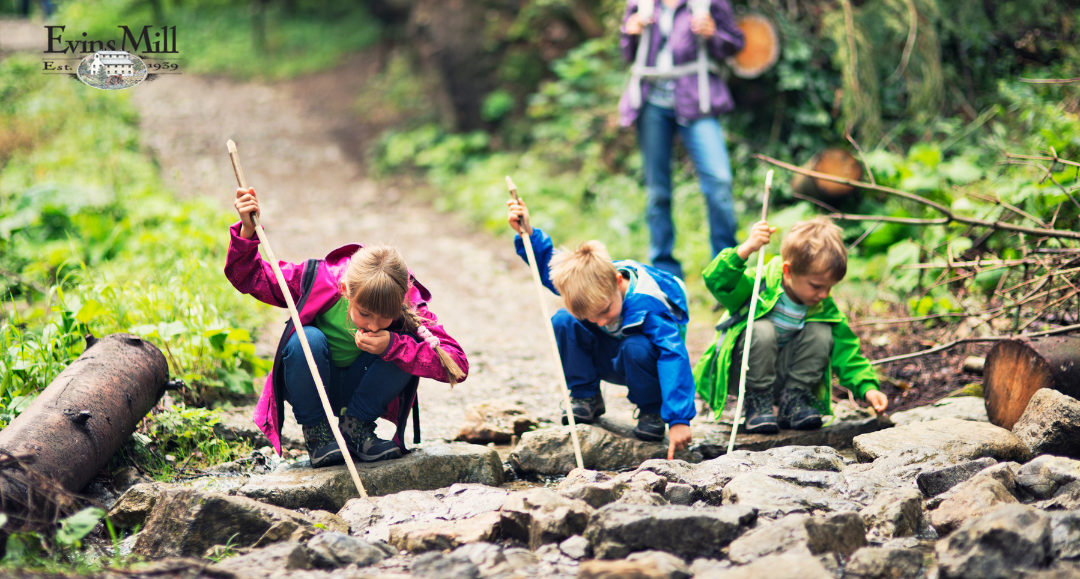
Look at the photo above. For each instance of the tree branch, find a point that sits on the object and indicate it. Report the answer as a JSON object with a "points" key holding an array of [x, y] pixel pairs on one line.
{"points": [[935, 349]]}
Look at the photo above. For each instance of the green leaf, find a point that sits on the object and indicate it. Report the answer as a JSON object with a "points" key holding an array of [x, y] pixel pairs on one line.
{"points": [[79, 525], [171, 330], [90, 310]]}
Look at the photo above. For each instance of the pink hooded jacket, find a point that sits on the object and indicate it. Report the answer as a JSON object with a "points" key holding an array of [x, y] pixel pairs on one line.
{"points": [[250, 274]]}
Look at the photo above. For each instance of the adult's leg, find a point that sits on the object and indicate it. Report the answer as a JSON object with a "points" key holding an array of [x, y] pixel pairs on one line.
{"points": [[303, 395], [656, 129], [704, 140]]}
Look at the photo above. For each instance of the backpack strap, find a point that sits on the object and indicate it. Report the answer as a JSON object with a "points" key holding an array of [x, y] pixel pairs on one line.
{"points": [[307, 281]]}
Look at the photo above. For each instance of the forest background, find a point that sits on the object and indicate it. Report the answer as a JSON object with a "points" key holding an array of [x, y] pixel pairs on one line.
{"points": [[932, 92]]}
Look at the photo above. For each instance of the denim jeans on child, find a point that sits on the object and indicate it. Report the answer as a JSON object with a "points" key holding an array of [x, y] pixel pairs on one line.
{"points": [[365, 388], [704, 140], [800, 364], [590, 355]]}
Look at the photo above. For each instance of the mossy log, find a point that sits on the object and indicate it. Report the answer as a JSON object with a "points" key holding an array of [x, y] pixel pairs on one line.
{"points": [[1016, 369], [836, 162]]}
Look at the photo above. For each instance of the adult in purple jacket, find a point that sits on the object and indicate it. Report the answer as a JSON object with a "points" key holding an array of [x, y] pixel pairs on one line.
{"points": [[661, 106]]}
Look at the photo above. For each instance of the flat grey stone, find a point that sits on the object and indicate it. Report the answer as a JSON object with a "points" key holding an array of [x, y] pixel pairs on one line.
{"points": [[429, 466], [1050, 424], [971, 408], [785, 566], [842, 533], [882, 563], [839, 434], [959, 439], [1044, 475], [617, 530], [984, 493], [549, 451], [999, 545], [935, 482], [894, 513], [332, 550]]}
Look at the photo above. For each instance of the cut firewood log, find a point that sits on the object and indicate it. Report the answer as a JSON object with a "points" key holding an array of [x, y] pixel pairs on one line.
{"points": [[1016, 369], [836, 162], [761, 49]]}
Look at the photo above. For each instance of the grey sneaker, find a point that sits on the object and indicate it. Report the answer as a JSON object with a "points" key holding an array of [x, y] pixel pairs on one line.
{"points": [[586, 410], [650, 427], [322, 448], [760, 418], [797, 410], [363, 444]]}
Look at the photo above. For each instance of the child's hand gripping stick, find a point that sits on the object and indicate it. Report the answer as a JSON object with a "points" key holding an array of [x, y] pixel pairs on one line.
{"points": [[745, 364], [524, 226], [264, 243]]}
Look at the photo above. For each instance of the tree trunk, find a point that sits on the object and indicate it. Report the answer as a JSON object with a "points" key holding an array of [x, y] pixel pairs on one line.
{"points": [[88, 411], [1015, 369], [836, 162]]}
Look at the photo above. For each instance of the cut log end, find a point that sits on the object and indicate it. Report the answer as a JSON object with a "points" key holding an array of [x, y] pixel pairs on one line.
{"points": [[836, 162], [1015, 370], [761, 49]]}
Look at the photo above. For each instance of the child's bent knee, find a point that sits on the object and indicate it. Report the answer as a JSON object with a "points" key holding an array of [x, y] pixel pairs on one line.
{"points": [[764, 333]]}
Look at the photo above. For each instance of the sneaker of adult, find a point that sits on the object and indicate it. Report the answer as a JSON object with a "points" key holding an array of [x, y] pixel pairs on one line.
{"points": [[797, 410], [322, 449], [650, 427], [760, 418], [362, 442], [586, 410]]}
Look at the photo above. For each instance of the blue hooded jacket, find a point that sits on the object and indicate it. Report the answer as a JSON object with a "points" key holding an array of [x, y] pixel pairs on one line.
{"points": [[657, 308]]}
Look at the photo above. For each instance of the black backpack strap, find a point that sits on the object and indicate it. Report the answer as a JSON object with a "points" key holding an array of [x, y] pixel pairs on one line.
{"points": [[311, 269], [416, 419]]}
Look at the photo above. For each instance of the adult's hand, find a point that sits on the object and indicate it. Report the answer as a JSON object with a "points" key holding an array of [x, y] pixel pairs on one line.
{"points": [[635, 24], [703, 25]]}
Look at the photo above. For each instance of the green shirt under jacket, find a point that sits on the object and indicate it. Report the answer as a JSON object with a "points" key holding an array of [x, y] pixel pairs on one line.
{"points": [[730, 282]]}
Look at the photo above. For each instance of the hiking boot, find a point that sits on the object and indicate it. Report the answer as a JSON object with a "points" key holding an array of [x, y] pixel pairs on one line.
{"points": [[586, 410], [797, 410], [760, 418], [321, 447], [361, 441], [650, 427]]}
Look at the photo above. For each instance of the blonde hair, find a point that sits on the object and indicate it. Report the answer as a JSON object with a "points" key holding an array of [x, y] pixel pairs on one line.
{"points": [[585, 277], [815, 247], [377, 280]]}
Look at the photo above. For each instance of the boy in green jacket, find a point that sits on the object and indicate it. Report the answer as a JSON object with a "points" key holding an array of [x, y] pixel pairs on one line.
{"points": [[800, 337]]}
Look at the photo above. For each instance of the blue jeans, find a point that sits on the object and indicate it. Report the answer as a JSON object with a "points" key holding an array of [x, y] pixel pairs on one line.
{"points": [[590, 355], [365, 389], [704, 140]]}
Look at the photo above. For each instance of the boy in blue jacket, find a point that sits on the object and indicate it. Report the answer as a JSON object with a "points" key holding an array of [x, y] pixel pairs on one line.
{"points": [[624, 322]]}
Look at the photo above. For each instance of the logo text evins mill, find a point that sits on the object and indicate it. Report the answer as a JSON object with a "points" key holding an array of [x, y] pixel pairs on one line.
{"points": [[163, 42]]}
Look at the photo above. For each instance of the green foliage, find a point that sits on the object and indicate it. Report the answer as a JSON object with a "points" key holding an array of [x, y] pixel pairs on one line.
{"points": [[92, 244], [243, 40], [183, 432]]}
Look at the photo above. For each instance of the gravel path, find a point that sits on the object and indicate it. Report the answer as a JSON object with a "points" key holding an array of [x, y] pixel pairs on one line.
{"points": [[302, 152]]}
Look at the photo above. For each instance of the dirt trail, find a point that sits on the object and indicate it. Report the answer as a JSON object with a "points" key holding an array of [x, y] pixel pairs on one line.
{"points": [[300, 149]]}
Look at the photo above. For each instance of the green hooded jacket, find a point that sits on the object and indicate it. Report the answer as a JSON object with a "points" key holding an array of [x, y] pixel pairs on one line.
{"points": [[730, 282]]}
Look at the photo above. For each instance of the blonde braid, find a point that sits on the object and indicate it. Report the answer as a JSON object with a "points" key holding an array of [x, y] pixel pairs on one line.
{"points": [[413, 322]]}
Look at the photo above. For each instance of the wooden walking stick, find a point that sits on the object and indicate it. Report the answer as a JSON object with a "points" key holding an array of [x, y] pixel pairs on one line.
{"points": [[264, 243], [550, 329], [750, 321]]}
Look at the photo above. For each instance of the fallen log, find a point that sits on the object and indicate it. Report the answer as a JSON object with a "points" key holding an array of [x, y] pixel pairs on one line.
{"points": [[835, 162], [1016, 369], [84, 416], [761, 48]]}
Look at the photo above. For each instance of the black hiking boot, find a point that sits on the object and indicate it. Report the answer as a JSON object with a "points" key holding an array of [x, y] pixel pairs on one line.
{"points": [[586, 410], [363, 444], [321, 447], [760, 418], [650, 427], [797, 410]]}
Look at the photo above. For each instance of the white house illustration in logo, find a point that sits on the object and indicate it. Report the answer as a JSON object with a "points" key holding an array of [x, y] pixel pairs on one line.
{"points": [[114, 61]]}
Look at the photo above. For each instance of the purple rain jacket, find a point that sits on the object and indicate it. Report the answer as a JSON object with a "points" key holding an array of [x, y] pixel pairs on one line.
{"points": [[250, 274], [725, 42]]}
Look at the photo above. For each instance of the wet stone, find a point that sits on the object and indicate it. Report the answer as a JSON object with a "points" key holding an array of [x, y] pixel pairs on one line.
{"points": [[549, 451], [957, 439], [430, 466], [971, 408], [935, 482], [617, 530]]}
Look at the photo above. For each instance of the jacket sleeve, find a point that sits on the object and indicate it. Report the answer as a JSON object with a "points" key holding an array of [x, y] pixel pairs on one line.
{"points": [[848, 363], [728, 39], [250, 274], [543, 249], [418, 358], [628, 43], [673, 367], [727, 279]]}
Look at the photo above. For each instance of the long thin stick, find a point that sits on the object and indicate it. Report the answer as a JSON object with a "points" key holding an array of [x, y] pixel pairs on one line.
{"points": [[750, 320], [264, 243], [550, 330]]}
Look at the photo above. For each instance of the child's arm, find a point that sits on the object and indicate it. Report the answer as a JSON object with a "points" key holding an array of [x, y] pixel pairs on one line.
{"points": [[853, 369], [673, 368], [542, 246], [727, 278], [246, 269], [418, 358]]}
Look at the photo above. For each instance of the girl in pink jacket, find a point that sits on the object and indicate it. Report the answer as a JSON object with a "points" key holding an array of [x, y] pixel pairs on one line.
{"points": [[371, 334]]}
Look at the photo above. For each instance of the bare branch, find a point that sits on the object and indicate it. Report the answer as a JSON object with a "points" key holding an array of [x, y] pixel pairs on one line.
{"points": [[936, 349], [1050, 80], [837, 214]]}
